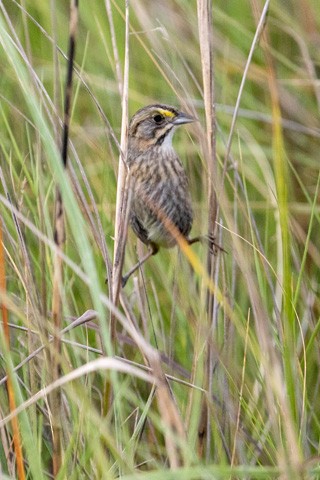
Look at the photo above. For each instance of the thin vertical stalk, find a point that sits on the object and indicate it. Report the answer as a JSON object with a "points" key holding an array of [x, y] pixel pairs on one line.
{"points": [[12, 403], [59, 238], [122, 201], [205, 26], [206, 49]]}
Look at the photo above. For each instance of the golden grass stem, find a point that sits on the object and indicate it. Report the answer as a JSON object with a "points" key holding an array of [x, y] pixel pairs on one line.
{"points": [[12, 403]]}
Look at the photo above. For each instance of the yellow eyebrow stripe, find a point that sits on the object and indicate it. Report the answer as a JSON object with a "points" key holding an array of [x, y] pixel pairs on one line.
{"points": [[166, 113]]}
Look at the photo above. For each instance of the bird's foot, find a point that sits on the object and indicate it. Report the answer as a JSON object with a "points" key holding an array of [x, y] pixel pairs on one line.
{"points": [[210, 240], [214, 247]]}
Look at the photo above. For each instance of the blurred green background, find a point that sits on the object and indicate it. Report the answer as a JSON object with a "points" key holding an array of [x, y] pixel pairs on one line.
{"points": [[269, 221]]}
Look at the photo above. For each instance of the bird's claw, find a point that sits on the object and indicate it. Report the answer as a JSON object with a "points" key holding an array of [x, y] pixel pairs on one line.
{"points": [[213, 246], [123, 281]]}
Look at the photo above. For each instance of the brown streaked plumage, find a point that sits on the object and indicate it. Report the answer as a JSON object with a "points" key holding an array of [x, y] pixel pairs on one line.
{"points": [[161, 201]]}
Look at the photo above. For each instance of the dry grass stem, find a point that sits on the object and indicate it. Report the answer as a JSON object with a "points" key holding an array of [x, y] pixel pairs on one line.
{"points": [[205, 26]]}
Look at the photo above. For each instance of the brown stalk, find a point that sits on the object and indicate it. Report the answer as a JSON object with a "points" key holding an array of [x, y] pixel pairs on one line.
{"points": [[12, 403], [206, 48], [59, 238]]}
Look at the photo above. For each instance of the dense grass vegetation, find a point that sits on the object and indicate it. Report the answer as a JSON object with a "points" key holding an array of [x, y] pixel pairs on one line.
{"points": [[253, 366]]}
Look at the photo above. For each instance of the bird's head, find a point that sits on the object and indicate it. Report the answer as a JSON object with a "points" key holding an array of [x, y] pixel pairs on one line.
{"points": [[154, 126]]}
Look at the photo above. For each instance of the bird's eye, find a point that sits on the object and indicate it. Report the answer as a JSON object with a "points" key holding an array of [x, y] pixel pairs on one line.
{"points": [[158, 118]]}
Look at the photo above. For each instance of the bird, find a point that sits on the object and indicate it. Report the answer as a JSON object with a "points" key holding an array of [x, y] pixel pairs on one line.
{"points": [[161, 206]]}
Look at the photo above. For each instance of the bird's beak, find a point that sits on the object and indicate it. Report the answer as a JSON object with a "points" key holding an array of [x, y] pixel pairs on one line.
{"points": [[182, 118]]}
